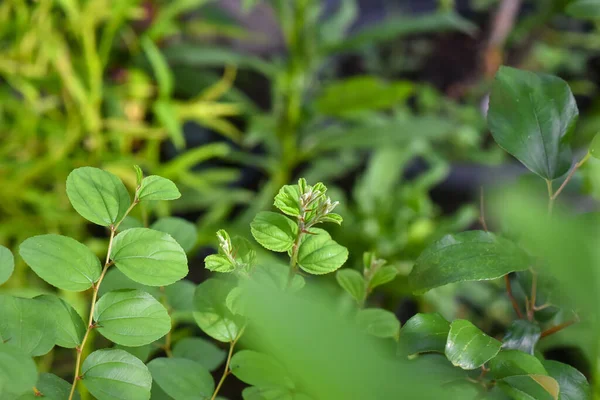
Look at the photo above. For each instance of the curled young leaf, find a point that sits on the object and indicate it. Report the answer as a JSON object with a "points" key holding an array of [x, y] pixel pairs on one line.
{"points": [[288, 200], [218, 263]]}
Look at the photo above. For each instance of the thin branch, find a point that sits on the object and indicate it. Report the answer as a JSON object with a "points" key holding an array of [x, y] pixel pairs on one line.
{"points": [[558, 328], [571, 173], [511, 297], [227, 371]]}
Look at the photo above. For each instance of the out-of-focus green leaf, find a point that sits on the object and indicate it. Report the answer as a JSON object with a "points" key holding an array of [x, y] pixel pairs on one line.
{"points": [[595, 145], [425, 333], [183, 231], [522, 335], [182, 378], [584, 9], [7, 264], [352, 282], [200, 350], [378, 322], [212, 315], [515, 362], [258, 369], [526, 387], [17, 370], [161, 68]]}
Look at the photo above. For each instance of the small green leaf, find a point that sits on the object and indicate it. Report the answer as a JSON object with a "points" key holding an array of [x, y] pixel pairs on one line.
{"points": [[212, 315], [385, 274], [70, 327], [200, 350], [79, 267], [468, 347], [114, 374], [131, 318], [184, 232], [139, 175], [27, 324], [54, 388], [181, 378], [155, 187], [515, 362], [268, 393], [532, 116], [530, 387], [425, 333], [259, 369], [218, 263], [352, 282], [595, 145], [522, 335], [466, 256], [573, 384], [378, 322], [288, 200], [274, 231], [319, 254], [584, 9], [97, 195], [149, 257], [18, 373], [7, 264]]}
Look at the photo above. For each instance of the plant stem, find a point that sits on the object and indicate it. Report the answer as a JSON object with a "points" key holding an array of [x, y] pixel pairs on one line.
{"points": [[295, 250], [550, 196], [571, 173], [511, 297], [558, 328], [227, 370], [531, 308]]}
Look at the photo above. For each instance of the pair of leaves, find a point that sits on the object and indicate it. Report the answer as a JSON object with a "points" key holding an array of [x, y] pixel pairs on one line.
{"points": [[355, 284]]}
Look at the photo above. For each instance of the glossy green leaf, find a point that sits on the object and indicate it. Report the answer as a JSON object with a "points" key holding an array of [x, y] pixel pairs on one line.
{"points": [[200, 350], [522, 335], [54, 388], [181, 378], [155, 187], [184, 232], [515, 362], [97, 195], [27, 324], [115, 374], [218, 263], [466, 256], [259, 369], [61, 261], [425, 333], [584, 9], [378, 322], [288, 200], [7, 264], [319, 254], [595, 145], [530, 387], [385, 274], [573, 384], [131, 318], [149, 257], [18, 372], [532, 116], [274, 231], [70, 327], [212, 315], [352, 282], [468, 347]]}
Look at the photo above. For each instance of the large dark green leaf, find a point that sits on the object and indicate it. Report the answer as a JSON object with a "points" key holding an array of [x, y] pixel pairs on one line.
{"points": [[425, 333], [466, 256], [573, 385], [181, 378], [468, 347], [515, 362], [522, 335], [532, 116]]}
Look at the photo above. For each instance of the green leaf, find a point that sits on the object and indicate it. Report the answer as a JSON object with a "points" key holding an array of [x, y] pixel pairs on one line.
{"points": [[212, 315], [235, 302], [274, 231], [268, 393], [79, 267], [70, 327], [184, 232], [573, 385], [288, 200], [218, 263], [166, 113], [159, 64], [378, 322], [530, 387], [180, 295], [181, 378], [515, 362], [18, 373], [149, 257], [97, 195], [468, 347], [584, 9], [425, 333], [131, 318], [7, 264], [352, 282], [54, 388], [141, 352], [532, 116], [259, 369], [383, 275], [200, 350], [117, 280], [244, 253], [522, 335], [27, 324], [319, 254], [139, 175], [466, 256], [155, 187], [595, 145], [114, 374]]}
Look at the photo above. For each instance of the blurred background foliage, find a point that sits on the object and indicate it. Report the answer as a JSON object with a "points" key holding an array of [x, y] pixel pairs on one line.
{"points": [[384, 101]]}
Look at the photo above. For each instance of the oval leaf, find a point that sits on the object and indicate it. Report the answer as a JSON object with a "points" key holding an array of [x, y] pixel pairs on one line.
{"points": [[378, 322], [18, 372], [97, 195], [149, 257], [288, 200], [425, 333], [572, 383], [155, 187], [54, 388], [7, 264], [466, 256], [319, 254], [532, 116], [70, 327], [259, 369], [274, 231], [385, 274], [515, 362], [352, 282], [201, 351], [181, 378], [131, 318], [115, 374], [61, 261], [530, 387], [184, 232], [212, 314], [468, 347]]}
